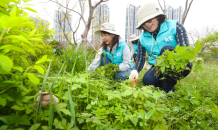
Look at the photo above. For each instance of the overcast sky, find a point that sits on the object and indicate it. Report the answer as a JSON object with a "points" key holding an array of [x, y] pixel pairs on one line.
{"points": [[203, 13]]}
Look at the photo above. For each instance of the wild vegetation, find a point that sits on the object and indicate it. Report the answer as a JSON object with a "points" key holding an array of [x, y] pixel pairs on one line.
{"points": [[89, 99]]}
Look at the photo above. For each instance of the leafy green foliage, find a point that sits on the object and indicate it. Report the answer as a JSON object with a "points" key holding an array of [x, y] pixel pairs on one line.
{"points": [[92, 100], [177, 60], [108, 71]]}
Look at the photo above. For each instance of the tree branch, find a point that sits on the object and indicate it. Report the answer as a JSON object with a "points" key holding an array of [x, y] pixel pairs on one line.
{"points": [[98, 3], [161, 6], [187, 10], [66, 7]]}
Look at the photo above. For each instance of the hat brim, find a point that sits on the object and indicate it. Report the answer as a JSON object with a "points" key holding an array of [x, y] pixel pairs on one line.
{"points": [[134, 39], [98, 32], [147, 18]]}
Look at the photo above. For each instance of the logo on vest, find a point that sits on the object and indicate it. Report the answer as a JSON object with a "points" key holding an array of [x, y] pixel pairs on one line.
{"points": [[168, 39], [118, 54]]}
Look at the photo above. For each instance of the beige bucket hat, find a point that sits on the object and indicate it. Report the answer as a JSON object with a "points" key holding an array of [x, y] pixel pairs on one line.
{"points": [[146, 12], [133, 37], [107, 27]]}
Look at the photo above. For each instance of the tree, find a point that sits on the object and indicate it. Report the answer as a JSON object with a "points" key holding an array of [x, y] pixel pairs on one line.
{"points": [[206, 36], [209, 42], [185, 13], [86, 20], [64, 20]]}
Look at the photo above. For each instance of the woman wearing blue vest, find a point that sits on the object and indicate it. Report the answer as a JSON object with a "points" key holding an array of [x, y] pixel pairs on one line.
{"points": [[134, 39], [116, 50], [159, 35]]}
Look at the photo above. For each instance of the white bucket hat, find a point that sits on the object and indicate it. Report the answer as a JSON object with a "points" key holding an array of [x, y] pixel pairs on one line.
{"points": [[107, 27], [133, 37], [146, 12]]}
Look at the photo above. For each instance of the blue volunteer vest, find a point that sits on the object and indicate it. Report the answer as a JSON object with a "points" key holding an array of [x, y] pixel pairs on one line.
{"points": [[135, 46], [166, 36], [117, 57]]}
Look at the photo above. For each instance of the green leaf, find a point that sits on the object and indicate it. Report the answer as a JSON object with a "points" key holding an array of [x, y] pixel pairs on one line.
{"points": [[28, 49], [6, 64], [162, 69], [33, 78], [3, 21], [35, 127], [45, 128], [134, 121], [16, 107], [18, 68], [20, 38], [2, 101], [43, 59], [62, 105], [25, 61], [149, 114], [4, 4], [127, 92], [198, 47], [12, 47], [80, 120], [30, 9], [89, 107], [157, 94], [32, 32], [4, 127], [39, 69], [66, 111], [13, 12], [36, 39]]}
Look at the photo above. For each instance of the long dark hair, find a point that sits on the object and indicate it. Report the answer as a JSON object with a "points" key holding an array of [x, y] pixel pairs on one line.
{"points": [[114, 42], [160, 18]]}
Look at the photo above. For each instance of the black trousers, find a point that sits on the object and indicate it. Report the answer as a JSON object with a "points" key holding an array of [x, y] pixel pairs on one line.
{"points": [[152, 78]]}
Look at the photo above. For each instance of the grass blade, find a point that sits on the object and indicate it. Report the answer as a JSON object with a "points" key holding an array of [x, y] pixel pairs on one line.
{"points": [[40, 99], [57, 108], [72, 107], [50, 90], [50, 120]]}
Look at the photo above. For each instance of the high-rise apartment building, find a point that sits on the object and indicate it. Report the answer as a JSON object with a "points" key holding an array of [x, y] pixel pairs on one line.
{"points": [[131, 22], [174, 13], [101, 15], [62, 26]]}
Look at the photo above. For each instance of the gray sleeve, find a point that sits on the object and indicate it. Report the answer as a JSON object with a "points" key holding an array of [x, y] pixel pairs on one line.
{"points": [[132, 51], [96, 62], [125, 65]]}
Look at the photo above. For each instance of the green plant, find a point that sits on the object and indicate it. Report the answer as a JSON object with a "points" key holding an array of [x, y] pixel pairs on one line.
{"points": [[174, 62]]}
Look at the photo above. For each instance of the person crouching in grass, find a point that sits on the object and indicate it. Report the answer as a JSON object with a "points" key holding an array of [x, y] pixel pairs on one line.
{"points": [[116, 50]]}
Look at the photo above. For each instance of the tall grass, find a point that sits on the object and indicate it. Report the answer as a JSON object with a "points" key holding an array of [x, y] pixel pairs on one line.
{"points": [[70, 55]]}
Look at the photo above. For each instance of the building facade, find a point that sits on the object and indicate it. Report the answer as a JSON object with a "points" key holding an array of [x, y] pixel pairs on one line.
{"points": [[62, 26], [101, 15], [131, 22], [174, 13]]}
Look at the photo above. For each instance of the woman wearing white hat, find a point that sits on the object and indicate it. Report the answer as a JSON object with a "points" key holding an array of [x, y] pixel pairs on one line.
{"points": [[159, 35], [134, 39], [116, 50]]}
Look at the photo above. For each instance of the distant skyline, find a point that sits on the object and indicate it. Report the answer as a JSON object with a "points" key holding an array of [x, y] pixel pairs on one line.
{"points": [[201, 14]]}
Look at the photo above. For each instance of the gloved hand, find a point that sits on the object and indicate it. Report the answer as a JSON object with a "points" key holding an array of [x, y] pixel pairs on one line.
{"points": [[134, 74]]}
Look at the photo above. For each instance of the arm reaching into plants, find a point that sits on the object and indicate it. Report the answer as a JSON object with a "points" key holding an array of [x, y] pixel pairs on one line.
{"points": [[96, 62]]}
